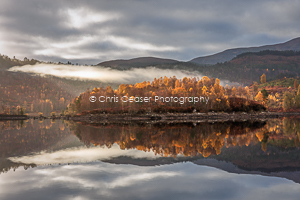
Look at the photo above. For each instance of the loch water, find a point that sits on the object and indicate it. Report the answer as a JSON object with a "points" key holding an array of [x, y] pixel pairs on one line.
{"points": [[56, 159]]}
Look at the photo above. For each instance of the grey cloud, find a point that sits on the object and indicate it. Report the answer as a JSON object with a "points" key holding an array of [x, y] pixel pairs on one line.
{"points": [[190, 28], [101, 46]]}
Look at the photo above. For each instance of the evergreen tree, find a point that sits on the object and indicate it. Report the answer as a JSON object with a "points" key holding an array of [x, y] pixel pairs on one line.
{"points": [[288, 100], [265, 93], [255, 87]]}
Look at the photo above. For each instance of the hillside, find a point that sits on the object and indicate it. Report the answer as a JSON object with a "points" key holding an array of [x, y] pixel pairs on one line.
{"points": [[229, 54], [7, 62], [32, 93], [279, 95], [136, 62], [244, 68], [284, 82], [248, 67], [37, 93]]}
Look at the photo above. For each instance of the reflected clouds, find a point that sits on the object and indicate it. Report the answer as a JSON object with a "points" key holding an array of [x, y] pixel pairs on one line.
{"points": [[99, 180], [95, 177], [81, 154]]}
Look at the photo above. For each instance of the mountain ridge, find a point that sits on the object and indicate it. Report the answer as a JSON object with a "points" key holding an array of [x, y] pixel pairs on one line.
{"points": [[140, 62], [223, 56], [227, 55]]}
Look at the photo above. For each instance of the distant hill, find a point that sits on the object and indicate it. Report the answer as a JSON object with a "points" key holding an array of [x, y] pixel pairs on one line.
{"points": [[229, 54], [244, 68], [268, 59], [248, 67], [137, 62]]}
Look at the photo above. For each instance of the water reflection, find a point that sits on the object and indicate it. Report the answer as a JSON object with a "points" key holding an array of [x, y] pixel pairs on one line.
{"points": [[21, 138], [106, 181], [81, 154], [206, 139], [172, 139], [48, 142], [158, 161]]}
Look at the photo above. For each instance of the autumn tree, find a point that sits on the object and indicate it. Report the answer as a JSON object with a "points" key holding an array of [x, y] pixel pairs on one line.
{"points": [[297, 98], [206, 81], [233, 91], [263, 78], [177, 84], [296, 84], [259, 97], [240, 91], [109, 90], [218, 89], [247, 92], [255, 88]]}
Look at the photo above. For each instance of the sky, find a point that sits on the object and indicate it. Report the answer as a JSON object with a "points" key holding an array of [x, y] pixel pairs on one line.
{"points": [[93, 31]]}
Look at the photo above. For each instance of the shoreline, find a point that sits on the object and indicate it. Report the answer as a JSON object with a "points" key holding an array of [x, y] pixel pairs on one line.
{"points": [[179, 117], [14, 117], [163, 117]]}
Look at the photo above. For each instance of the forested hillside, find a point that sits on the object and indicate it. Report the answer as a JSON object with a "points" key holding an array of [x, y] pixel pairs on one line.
{"points": [[243, 69], [227, 55], [7, 62], [21, 91], [28, 93], [248, 67]]}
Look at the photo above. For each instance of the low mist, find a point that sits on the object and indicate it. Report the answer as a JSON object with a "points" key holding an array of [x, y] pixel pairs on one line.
{"points": [[102, 74]]}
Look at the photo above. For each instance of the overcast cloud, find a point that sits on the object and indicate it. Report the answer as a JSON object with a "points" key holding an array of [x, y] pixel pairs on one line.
{"points": [[92, 31]]}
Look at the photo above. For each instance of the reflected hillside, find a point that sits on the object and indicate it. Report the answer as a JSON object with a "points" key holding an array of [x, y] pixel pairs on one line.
{"points": [[20, 138], [265, 146], [23, 137], [277, 149], [196, 139], [173, 139]]}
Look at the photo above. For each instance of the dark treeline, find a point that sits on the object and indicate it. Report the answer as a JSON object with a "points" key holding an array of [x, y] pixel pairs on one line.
{"points": [[269, 52], [7, 62]]}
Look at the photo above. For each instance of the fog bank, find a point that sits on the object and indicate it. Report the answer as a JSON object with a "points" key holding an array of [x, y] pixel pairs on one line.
{"points": [[103, 74]]}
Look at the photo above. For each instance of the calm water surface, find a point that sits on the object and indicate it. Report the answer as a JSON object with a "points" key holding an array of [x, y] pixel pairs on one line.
{"points": [[232, 160]]}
